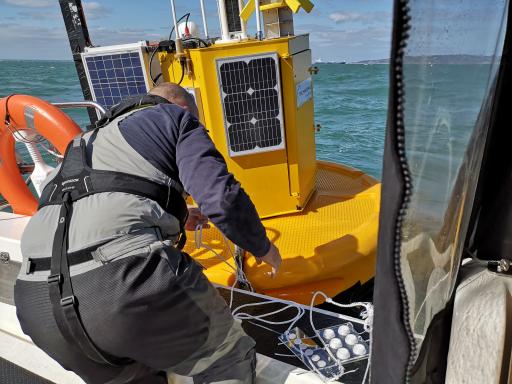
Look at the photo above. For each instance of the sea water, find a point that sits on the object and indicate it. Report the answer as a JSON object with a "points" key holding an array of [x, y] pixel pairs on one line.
{"points": [[350, 104]]}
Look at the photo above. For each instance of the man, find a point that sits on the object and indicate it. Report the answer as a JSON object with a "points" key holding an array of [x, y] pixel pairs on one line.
{"points": [[103, 288]]}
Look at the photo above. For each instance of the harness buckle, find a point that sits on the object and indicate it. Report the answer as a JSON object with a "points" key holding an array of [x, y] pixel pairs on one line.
{"points": [[55, 279], [65, 301], [29, 266]]}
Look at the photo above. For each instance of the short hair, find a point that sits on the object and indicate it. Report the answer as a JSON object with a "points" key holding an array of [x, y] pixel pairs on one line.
{"points": [[175, 94]]}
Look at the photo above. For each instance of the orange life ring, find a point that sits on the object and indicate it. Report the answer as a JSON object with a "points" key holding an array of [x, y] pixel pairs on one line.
{"points": [[19, 112]]}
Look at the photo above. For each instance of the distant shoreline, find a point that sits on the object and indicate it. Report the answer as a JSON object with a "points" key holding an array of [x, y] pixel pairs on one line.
{"points": [[433, 59], [437, 59], [46, 60]]}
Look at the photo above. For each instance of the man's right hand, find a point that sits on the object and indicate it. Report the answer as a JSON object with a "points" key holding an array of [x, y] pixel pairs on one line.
{"points": [[272, 258]]}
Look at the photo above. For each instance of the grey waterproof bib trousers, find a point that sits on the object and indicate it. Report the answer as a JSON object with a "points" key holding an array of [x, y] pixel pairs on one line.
{"points": [[138, 298]]}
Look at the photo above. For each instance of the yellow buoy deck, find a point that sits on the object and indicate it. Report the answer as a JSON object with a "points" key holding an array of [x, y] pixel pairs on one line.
{"points": [[329, 246]]}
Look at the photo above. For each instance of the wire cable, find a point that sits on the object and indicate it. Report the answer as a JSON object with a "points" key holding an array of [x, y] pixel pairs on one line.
{"points": [[187, 15], [154, 80], [182, 64]]}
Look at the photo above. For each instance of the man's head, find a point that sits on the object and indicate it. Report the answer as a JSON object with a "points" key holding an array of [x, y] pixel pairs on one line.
{"points": [[176, 95]]}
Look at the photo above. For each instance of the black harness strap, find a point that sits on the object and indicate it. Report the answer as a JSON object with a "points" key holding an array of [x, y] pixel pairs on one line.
{"points": [[64, 302], [74, 181], [78, 179]]}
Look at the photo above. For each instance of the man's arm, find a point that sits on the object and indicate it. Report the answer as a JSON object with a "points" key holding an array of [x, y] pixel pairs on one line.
{"points": [[204, 174]]}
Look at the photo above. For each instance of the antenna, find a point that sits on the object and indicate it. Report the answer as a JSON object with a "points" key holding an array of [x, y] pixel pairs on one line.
{"points": [[259, 33], [205, 24], [179, 45]]}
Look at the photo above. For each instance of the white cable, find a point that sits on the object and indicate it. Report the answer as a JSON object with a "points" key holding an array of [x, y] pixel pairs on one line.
{"points": [[198, 238], [239, 273], [241, 276], [292, 321], [366, 314]]}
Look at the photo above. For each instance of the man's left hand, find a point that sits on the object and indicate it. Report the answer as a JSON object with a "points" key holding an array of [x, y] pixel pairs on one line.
{"points": [[195, 218]]}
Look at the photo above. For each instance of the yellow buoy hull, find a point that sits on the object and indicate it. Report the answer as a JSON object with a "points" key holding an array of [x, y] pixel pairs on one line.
{"points": [[329, 246]]}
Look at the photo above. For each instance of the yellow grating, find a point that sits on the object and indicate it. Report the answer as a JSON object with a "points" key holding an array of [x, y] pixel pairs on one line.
{"points": [[333, 237]]}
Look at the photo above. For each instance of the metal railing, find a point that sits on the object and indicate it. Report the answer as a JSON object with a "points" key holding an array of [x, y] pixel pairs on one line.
{"points": [[64, 105], [81, 104]]}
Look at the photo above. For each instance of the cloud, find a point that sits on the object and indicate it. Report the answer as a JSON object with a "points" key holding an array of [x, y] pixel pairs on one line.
{"points": [[25, 41], [52, 42], [38, 15], [31, 3], [349, 44], [108, 36], [368, 17], [94, 10], [10, 32], [340, 17]]}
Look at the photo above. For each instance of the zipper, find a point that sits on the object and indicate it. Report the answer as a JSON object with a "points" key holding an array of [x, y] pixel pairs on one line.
{"points": [[405, 19]]}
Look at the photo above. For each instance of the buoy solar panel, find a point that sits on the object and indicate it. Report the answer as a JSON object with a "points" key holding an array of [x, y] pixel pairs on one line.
{"points": [[251, 99]]}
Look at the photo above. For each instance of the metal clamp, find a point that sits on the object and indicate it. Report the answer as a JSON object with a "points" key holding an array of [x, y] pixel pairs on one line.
{"points": [[5, 257], [500, 266], [503, 266]]}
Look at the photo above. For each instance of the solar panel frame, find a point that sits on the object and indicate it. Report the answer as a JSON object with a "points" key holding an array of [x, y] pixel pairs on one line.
{"points": [[119, 68], [233, 16], [240, 89]]}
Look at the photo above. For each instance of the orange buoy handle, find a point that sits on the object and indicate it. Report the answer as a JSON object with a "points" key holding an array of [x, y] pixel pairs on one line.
{"points": [[23, 112]]}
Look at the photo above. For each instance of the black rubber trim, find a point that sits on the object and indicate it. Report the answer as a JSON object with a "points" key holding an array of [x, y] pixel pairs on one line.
{"points": [[12, 373], [391, 325]]}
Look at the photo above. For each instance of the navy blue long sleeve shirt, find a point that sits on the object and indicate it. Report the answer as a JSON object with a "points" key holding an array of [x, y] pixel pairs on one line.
{"points": [[174, 142]]}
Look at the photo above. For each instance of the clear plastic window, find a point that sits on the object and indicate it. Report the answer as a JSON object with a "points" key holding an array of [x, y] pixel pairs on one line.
{"points": [[450, 66]]}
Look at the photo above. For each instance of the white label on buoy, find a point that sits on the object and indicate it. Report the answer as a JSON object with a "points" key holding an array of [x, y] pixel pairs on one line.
{"points": [[303, 92]]}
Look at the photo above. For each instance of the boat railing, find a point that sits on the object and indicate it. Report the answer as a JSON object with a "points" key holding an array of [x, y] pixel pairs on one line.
{"points": [[81, 104], [26, 168]]}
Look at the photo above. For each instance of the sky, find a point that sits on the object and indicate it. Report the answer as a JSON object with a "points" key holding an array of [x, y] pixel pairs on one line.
{"points": [[340, 30]]}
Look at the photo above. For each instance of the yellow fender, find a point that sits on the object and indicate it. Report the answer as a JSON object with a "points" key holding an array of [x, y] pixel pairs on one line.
{"points": [[294, 5]]}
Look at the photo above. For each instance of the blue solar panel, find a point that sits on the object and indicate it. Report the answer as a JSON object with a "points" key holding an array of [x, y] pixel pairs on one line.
{"points": [[116, 76]]}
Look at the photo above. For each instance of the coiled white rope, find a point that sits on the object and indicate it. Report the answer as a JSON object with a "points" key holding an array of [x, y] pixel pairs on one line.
{"points": [[240, 276]]}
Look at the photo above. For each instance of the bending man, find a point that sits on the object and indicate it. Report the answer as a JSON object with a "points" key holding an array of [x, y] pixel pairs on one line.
{"points": [[104, 289]]}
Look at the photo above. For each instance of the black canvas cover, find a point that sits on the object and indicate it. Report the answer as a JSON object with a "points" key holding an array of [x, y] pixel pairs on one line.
{"points": [[388, 324], [444, 72], [491, 221]]}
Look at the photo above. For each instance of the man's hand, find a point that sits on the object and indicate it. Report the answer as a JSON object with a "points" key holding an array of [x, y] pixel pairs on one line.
{"points": [[195, 217], [272, 258]]}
